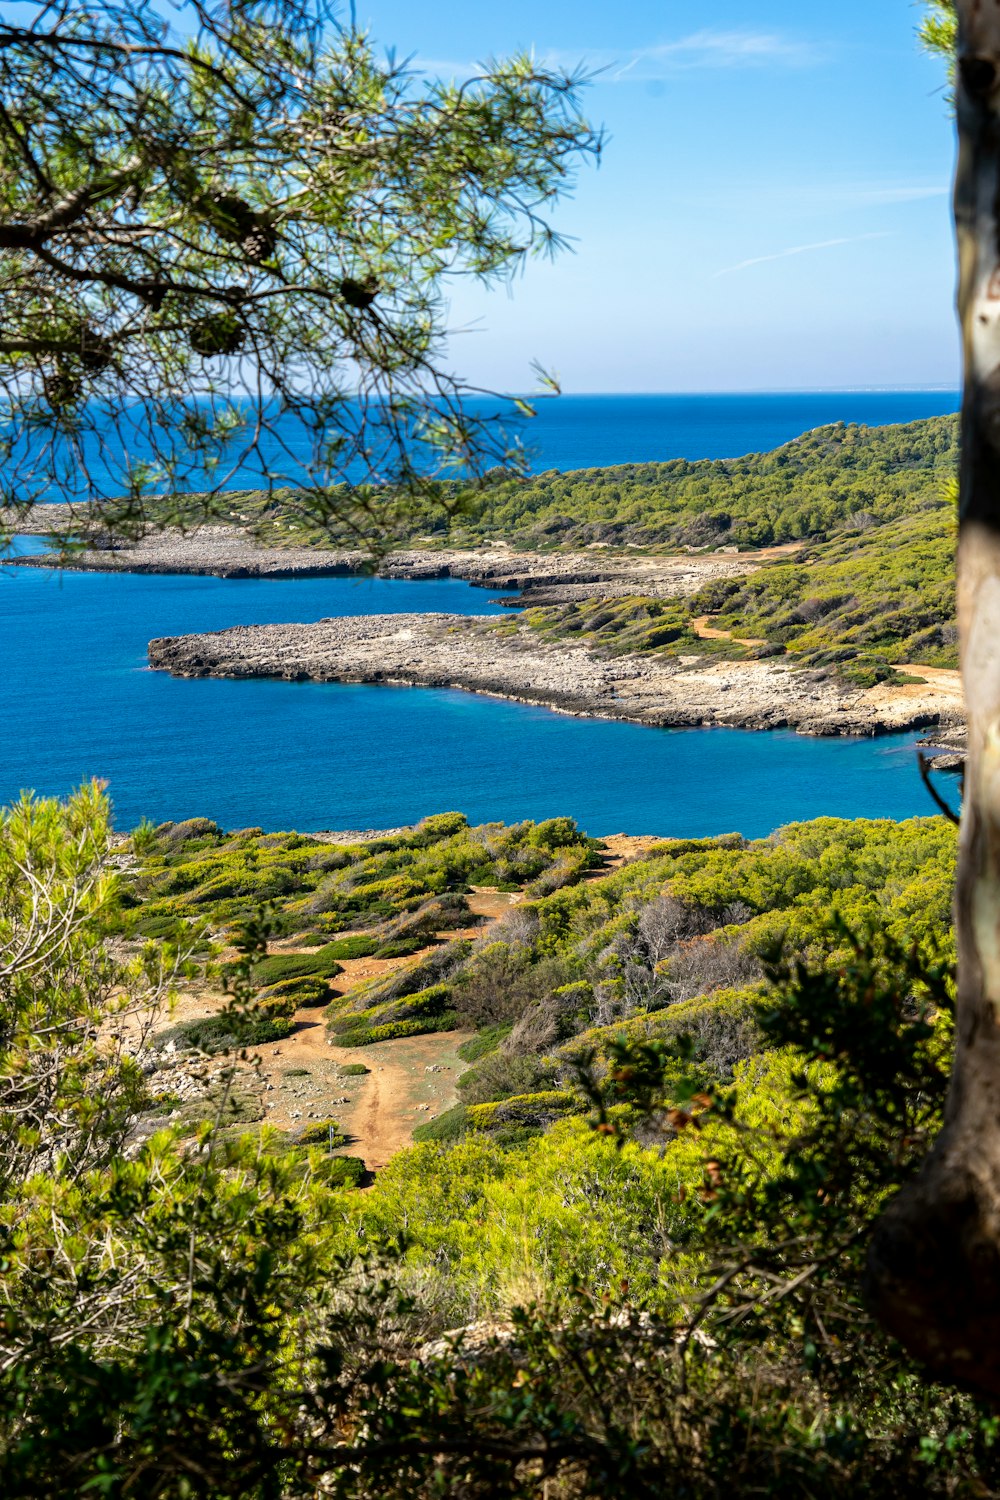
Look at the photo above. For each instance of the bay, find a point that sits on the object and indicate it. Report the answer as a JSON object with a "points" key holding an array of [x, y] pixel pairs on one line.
{"points": [[79, 700]]}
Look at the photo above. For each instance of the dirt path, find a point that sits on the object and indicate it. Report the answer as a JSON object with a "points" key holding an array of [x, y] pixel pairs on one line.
{"points": [[707, 632], [408, 1080], [411, 1080]]}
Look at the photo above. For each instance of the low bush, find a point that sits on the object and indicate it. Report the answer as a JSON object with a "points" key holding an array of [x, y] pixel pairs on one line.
{"points": [[446, 1127], [352, 1070], [438, 965], [323, 1133], [160, 927], [359, 946], [344, 1016], [405, 948], [304, 993], [279, 966], [536, 1110], [483, 1042], [344, 1171], [229, 1031], [502, 1075], [367, 1036]]}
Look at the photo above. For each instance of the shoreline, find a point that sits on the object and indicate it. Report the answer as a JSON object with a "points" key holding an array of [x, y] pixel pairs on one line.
{"points": [[471, 654], [544, 578]]}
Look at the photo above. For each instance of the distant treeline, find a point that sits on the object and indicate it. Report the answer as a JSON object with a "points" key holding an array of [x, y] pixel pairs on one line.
{"points": [[833, 479]]}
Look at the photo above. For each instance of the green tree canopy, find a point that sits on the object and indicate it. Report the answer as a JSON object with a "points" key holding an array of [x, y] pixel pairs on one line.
{"points": [[205, 231]]}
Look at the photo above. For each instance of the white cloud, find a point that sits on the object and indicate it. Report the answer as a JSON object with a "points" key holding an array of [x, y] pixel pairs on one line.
{"points": [[697, 51], [713, 49], [760, 260]]}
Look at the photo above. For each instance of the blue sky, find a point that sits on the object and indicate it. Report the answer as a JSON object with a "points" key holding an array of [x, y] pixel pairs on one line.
{"points": [[740, 133]]}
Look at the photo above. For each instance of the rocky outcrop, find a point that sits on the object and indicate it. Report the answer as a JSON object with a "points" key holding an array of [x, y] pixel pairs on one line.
{"points": [[227, 552], [500, 657]]}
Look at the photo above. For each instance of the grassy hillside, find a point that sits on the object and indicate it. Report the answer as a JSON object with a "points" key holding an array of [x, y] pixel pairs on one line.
{"points": [[580, 955], [836, 478], [871, 597], [871, 586]]}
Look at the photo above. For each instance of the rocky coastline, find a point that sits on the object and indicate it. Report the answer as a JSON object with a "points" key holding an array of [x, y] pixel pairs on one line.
{"points": [[504, 659], [536, 578], [511, 661]]}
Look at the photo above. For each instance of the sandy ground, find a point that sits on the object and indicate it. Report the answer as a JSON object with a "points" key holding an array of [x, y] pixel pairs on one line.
{"points": [[946, 683], [707, 632], [409, 1080]]}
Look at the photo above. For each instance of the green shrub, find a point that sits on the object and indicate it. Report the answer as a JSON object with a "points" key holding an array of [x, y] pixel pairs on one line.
{"points": [[352, 947], [368, 1036], [442, 825], [322, 1133], [556, 833], [279, 966], [229, 1032], [483, 1042], [424, 1003], [502, 1075], [304, 993], [344, 1171], [523, 1109], [445, 1127], [160, 927], [405, 948], [352, 1070]]}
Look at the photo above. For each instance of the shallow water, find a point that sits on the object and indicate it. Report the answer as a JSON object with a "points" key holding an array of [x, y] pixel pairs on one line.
{"points": [[79, 701]]}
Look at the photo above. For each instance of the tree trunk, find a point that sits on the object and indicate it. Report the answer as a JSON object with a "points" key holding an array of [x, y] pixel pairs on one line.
{"points": [[934, 1263]]}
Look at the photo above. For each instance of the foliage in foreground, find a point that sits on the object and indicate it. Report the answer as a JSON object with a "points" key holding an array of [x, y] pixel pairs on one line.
{"points": [[664, 1298], [242, 227]]}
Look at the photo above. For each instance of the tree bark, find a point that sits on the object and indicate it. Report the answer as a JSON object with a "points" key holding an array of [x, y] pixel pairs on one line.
{"points": [[934, 1262]]}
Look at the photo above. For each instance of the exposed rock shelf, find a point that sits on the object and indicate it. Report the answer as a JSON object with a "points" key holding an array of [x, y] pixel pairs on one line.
{"points": [[511, 662], [227, 552]]}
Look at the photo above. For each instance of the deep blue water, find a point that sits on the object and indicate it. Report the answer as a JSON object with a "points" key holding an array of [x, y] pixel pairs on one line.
{"points": [[79, 701], [582, 432]]}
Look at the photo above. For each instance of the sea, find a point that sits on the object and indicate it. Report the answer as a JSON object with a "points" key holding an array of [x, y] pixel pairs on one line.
{"points": [[79, 700]]}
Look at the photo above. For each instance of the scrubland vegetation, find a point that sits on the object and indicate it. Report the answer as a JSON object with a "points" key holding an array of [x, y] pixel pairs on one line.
{"points": [[872, 585], [834, 479], [858, 604], [691, 1083]]}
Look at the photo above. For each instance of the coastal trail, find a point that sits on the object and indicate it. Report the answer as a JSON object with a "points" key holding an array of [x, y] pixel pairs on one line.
{"points": [[410, 1079], [706, 632]]}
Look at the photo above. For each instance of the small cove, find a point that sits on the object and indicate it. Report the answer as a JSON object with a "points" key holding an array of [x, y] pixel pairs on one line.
{"points": [[79, 701]]}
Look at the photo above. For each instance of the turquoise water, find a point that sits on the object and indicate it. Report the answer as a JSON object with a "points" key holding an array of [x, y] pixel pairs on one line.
{"points": [[79, 701]]}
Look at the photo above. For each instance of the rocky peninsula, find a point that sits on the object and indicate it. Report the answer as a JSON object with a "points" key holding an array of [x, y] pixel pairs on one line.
{"points": [[229, 552], [503, 658]]}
